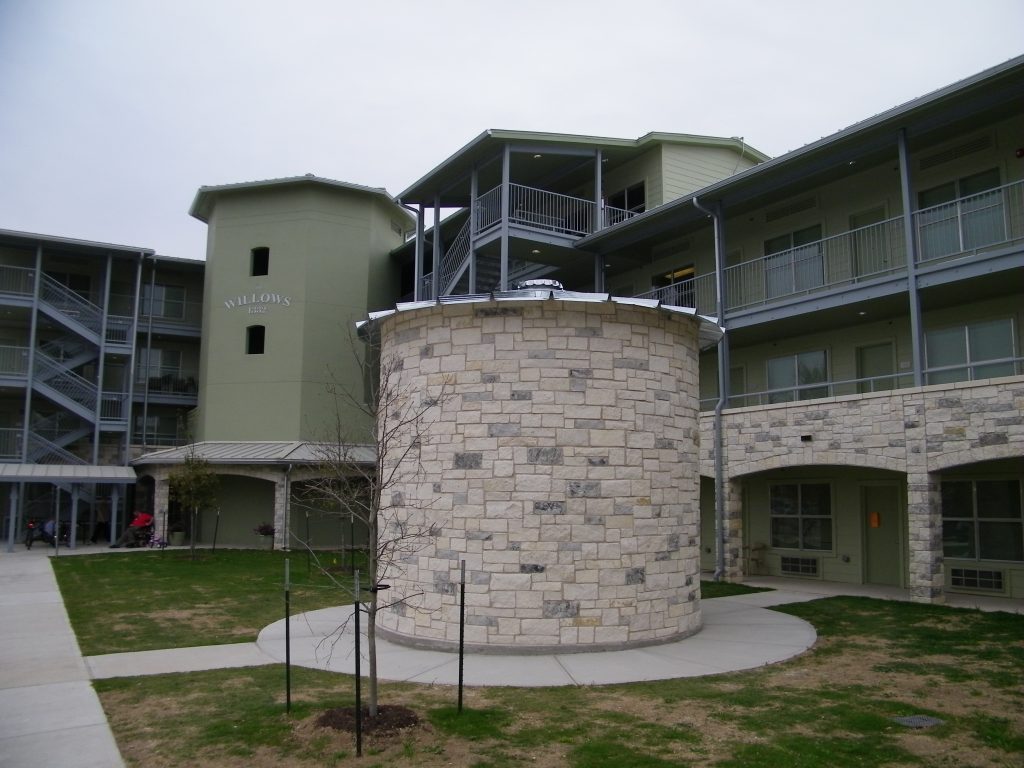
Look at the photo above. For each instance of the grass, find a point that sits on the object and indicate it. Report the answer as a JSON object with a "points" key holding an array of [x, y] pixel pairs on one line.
{"points": [[147, 600], [875, 660], [713, 589]]}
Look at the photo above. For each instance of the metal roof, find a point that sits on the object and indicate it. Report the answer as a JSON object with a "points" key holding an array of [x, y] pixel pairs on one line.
{"points": [[253, 452], [997, 88], [65, 473], [202, 204], [708, 332], [31, 238], [450, 178]]}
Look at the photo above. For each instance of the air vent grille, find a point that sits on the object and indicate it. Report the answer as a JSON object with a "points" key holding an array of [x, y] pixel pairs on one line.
{"points": [[790, 208], [975, 578], [956, 152], [800, 566]]}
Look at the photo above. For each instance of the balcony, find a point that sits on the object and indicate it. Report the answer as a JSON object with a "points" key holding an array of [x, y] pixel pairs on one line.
{"points": [[958, 229], [167, 384]]}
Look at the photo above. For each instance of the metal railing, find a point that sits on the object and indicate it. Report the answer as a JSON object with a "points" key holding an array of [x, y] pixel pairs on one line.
{"points": [[119, 329], [42, 451], [69, 303], [612, 216], [974, 370], [68, 383], [550, 211], [10, 444], [696, 292], [20, 281], [860, 254], [971, 223], [488, 209], [114, 407], [168, 380], [14, 361], [162, 439]]}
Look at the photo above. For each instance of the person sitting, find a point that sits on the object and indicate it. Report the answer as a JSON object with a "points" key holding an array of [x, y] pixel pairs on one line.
{"points": [[136, 531]]}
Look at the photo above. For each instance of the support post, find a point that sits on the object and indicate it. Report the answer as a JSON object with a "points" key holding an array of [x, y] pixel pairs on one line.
{"points": [[599, 222], [287, 637], [417, 289], [73, 532], [462, 629], [506, 196], [359, 690], [12, 520], [435, 267], [474, 223]]}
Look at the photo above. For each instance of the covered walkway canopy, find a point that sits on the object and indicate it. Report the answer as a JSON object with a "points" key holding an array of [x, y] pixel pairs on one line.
{"points": [[75, 475]]}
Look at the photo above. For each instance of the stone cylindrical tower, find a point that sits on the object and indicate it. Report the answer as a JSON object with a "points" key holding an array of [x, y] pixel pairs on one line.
{"points": [[562, 467]]}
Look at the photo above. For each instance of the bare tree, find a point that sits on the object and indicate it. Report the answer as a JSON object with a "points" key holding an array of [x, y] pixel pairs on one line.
{"points": [[194, 487], [360, 471]]}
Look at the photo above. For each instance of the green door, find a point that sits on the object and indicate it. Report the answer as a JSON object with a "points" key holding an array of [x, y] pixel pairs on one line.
{"points": [[880, 510]]}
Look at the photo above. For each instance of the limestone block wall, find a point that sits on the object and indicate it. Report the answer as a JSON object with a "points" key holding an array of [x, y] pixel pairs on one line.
{"points": [[920, 432], [562, 469]]}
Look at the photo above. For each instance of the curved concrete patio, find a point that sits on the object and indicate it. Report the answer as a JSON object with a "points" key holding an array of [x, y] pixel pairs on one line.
{"points": [[739, 633]]}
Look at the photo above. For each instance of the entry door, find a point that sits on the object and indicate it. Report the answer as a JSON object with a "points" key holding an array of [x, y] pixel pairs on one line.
{"points": [[880, 510]]}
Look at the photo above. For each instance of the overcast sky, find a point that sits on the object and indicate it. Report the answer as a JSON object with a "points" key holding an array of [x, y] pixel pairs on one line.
{"points": [[113, 112]]}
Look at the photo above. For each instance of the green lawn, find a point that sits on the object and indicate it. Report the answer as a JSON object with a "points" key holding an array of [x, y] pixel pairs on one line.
{"points": [[135, 601], [833, 706]]}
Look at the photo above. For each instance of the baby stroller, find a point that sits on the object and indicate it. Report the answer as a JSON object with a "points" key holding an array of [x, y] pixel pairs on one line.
{"points": [[44, 532]]}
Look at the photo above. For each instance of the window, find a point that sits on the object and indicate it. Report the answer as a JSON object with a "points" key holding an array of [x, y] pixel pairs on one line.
{"points": [[875, 368], [960, 215], [165, 301], [677, 286], [801, 515], [632, 199], [255, 339], [793, 377], [260, 262], [981, 520], [793, 262], [157, 430], [979, 350]]}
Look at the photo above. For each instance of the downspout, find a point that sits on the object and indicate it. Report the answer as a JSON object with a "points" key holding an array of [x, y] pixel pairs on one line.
{"points": [[723, 390]]}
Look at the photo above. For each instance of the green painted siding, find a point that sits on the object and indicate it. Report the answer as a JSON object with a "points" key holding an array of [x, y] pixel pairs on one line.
{"points": [[328, 265], [686, 169]]}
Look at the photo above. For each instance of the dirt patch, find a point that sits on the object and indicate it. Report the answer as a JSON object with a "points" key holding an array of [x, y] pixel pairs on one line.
{"points": [[390, 719]]}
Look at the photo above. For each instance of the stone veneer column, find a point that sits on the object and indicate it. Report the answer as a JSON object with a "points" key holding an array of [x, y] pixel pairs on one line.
{"points": [[734, 567], [924, 519], [281, 532], [161, 498], [563, 470]]}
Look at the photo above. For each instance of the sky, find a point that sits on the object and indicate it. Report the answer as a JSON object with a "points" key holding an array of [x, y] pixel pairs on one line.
{"points": [[114, 112]]}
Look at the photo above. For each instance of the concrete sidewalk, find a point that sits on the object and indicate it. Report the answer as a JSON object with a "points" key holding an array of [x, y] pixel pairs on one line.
{"points": [[738, 634], [49, 713]]}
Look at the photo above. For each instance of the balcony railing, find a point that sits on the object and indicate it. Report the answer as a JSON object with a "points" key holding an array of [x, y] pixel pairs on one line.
{"points": [[984, 369], [19, 281], [971, 223], [10, 444], [114, 407], [14, 361], [550, 211], [860, 254], [696, 292], [167, 380]]}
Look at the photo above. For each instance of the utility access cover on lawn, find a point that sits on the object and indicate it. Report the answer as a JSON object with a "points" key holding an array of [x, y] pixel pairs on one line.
{"points": [[918, 721]]}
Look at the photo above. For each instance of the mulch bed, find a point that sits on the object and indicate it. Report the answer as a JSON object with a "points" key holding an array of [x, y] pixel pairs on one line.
{"points": [[390, 719]]}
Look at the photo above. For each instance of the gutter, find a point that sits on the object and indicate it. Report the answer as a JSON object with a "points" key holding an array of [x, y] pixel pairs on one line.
{"points": [[723, 388]]}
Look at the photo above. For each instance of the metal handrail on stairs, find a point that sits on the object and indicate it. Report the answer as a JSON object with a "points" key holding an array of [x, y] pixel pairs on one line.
{"points": [[69, 303]]}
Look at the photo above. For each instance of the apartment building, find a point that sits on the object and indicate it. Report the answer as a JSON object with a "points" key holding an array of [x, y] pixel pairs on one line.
{"points": [[100, 363], [862, 416], [863, 413]]}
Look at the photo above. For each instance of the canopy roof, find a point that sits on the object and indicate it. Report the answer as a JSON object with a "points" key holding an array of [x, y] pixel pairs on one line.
{"points": [[65, 473], [252, 452]]}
